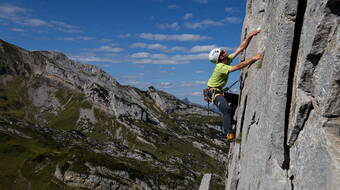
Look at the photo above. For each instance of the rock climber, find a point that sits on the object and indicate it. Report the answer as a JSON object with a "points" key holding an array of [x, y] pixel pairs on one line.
{"points": [[219, 79]]}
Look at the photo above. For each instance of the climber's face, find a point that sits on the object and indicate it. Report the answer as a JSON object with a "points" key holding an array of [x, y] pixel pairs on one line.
{"points": [[224, 57]]}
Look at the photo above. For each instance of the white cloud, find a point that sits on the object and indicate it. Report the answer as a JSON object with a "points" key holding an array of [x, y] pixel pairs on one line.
{"points": [[149, 46], [135, 76], [82, 58], [114, 44], [166, 85], [63, 24], [149, 55], [203, 24], [208, 22], [10, 10], [232, 20], [70, 30], [199, 72], [157, 61], [90, 55], [125, 35], [200, 1], [105, 40], [108, 49], [39, 31], [34, 22], [168, 70], [176, 48], [172, 26], [193, 83], [163, 48], [137, 58], [158, 47], [188, 16], [77, 38], [167, 37], [230, 9], [159, 56], [20, 16], [174, 37], [101, 54], [173, 7], [205, 48], [140, 55], [190, 57], [17, 30], [162, 59], [111, 54]]}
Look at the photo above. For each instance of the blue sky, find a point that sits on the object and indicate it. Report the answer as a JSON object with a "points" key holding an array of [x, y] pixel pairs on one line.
{"points": [[142, 43]]}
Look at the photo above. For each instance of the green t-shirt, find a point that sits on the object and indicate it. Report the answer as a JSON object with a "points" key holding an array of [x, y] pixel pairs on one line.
{"points": [[219, 77]]}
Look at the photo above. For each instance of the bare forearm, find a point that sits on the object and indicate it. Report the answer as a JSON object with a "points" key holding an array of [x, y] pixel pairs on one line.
{"points": [[245, 42], [246, 62]]}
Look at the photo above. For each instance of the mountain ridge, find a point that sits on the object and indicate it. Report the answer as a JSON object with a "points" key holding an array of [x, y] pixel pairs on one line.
{"points": [[62, 115]]}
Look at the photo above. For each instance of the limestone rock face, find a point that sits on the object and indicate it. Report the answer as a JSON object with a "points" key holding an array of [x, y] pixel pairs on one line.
{"points": [[289, 114]]}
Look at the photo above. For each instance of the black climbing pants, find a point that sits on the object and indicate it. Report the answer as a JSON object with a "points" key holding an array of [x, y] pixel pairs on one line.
{"points": [[226, 110]]}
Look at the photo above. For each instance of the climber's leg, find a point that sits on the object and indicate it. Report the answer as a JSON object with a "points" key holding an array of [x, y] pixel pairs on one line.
{"points": [[232, 99], [223, 106]]}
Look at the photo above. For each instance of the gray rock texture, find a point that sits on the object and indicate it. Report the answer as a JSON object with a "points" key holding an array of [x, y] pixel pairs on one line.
{"points": [[205, 183], [100, 178], [288, 121]]}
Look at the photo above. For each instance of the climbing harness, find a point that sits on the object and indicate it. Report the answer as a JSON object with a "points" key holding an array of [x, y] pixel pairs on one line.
{"points": [[211, 93]]}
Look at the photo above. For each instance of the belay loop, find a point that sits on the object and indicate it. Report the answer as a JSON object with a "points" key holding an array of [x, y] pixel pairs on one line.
{"points": [[210, 94]]}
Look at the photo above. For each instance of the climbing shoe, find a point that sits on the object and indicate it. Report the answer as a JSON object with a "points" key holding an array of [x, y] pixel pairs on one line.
{"points": [[230, 136]]}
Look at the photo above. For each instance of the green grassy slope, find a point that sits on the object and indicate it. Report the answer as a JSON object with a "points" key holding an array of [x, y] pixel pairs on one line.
{"points": [[31, 163]]}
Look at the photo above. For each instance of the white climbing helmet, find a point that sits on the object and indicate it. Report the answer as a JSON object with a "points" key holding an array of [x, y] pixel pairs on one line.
{"points": [[214, 55]]}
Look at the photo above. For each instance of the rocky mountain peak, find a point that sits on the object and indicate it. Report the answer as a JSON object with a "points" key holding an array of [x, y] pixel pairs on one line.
{"points": [[93, 132]]}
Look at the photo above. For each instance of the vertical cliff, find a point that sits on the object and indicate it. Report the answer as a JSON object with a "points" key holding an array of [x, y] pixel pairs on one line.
{"points": [[288, 129]]}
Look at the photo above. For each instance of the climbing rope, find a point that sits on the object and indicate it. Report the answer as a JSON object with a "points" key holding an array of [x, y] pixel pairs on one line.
{"points": [[226, 89]]}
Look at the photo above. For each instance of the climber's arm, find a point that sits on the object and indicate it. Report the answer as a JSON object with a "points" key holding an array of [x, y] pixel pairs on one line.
{"points": [[246, 62], [245, 43]]}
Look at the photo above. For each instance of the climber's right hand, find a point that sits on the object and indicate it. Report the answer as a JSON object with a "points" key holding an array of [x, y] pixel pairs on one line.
{"points": [[254, 33], [257, 56]]}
